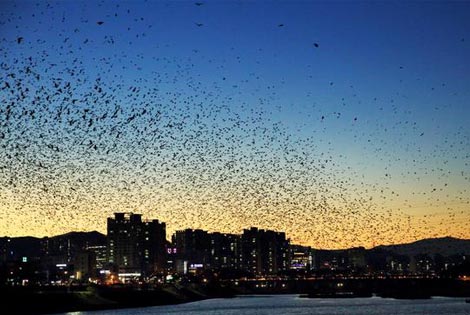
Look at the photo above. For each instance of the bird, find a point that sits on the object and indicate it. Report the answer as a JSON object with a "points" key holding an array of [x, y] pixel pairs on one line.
{"points": [[100, 22]]}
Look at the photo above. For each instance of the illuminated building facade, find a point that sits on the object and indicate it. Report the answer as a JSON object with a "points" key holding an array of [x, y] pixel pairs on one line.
{"points": [[192, 247], [302, 258], [225, 251], [136, 247], [264, 252]]}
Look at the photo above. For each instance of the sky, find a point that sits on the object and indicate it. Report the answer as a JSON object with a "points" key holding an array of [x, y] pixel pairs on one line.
{"points": [[342, 123]]}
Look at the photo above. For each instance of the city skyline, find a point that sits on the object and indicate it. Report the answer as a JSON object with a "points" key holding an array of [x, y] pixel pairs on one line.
{"points": [[135, 247], [170, 235], [342, 124]]}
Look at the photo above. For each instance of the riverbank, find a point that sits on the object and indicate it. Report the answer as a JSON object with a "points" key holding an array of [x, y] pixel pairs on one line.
{"points": [[49, 300], [405, 288]]}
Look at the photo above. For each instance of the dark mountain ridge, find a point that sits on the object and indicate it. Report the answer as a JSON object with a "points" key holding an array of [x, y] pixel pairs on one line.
{"points": [[28, 246], [445, 246]]}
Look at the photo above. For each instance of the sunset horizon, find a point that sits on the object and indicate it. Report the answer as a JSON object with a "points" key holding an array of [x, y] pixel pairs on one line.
{"points": [[342, 124]]}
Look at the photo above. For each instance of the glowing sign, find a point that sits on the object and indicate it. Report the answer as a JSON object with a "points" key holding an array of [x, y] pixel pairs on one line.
{"points": [[129, 274], [171, 250], [194, 266]]}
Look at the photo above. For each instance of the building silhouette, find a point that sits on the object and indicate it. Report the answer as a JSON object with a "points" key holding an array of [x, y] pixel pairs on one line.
{"points": [[192, 248], [225, 251], [259, 252], [264, 252], [136, 247]]}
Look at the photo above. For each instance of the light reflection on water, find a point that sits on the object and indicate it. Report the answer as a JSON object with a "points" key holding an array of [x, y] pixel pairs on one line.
{"points": [[292, 304]]}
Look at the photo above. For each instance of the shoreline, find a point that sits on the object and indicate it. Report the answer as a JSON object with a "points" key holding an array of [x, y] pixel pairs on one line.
{"points": [[62, 300], [52, 300]]}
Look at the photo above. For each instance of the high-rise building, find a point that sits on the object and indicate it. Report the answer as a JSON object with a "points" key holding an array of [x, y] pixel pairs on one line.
{"points": [[154, 247], [225, 251], [192, 247], [84, 265], [100, 254], [136, 247], [264, 251]]}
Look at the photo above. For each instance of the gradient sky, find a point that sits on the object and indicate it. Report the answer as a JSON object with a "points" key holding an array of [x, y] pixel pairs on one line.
{"points": [[341, 123]]}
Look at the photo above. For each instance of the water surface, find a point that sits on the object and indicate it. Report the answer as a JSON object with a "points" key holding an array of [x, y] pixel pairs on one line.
{"points": [[292, 304]]}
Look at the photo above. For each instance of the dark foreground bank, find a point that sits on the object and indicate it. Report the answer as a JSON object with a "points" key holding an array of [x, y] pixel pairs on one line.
{"points": [[51, 300], [398, 288]]}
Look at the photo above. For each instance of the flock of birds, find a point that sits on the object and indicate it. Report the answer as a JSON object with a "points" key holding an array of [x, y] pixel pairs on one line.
{"points": [[83, 137]]}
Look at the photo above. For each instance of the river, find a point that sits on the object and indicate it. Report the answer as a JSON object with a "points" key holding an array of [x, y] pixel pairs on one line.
{"points": [[292, 304]]}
